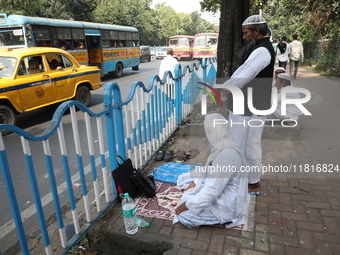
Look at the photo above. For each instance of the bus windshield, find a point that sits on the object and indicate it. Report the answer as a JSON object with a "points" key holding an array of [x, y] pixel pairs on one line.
{"points": [[212, 39], [12, 37], [200, 40]]}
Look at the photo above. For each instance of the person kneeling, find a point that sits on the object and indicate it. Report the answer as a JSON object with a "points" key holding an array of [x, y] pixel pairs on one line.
{"points": [[219, 197]]}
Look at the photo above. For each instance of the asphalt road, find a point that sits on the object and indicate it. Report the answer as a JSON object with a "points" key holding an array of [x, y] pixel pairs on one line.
{"points": [[36, 122]]}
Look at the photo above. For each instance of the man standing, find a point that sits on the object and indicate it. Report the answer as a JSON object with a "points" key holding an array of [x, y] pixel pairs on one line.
{"points": [[168, 64], [255, 72], [296, 54], [283, 51]]}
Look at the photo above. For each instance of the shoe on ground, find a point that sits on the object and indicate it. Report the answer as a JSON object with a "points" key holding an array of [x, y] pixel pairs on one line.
{"points": [[160, 155], [169, 154], [254, 187]]}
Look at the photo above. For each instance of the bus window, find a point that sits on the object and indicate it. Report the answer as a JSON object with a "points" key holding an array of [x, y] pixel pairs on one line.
{"points": [[65, 39], [78, 38], [11, 37]]}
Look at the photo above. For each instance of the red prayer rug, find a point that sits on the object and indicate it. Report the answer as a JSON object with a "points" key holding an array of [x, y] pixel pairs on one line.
{"points": [[167, 197]]}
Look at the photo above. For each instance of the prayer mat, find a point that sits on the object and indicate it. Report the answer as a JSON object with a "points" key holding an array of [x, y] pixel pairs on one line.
{"points": [[167, 197]]}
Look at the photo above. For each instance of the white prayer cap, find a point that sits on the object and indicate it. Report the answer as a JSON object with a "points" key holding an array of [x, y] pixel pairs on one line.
{"points": [[253, 20], [284, 76], [280, 68]]}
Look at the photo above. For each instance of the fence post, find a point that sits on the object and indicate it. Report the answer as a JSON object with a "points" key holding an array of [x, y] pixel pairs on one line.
{"points": [[178, 96], [114, 118]]}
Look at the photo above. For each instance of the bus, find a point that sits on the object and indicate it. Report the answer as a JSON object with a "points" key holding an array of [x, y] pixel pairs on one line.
{"points": [[110, 47], [182, 46], [205, 45]]}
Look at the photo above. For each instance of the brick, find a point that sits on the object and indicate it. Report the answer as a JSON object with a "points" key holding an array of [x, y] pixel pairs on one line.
{"points": [[261, 219], [298, 251], [280, 207], [305, 239], [240, 242], [320, 196], [155, 226], [205, 233], [330, 213], [261, 208], [195, 244], [299, 206], [216, 243], [289, 190], [278, 183], [331, 225], [231, 250], [293, 183], [304, 198], [294, 216], [315, 227], [184, 251], [327, 238], [334, 202], [283, 240], [267, 199], [165, 230], [197, 252], [322, 187], [285, 198], [226, 231], [261, 242], [318, 205], [276, 249], [314, 215], [251, 252], [188, 233]]}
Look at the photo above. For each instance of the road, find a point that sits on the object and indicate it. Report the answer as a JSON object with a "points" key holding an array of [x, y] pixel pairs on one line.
{"points": [[36, 122]]}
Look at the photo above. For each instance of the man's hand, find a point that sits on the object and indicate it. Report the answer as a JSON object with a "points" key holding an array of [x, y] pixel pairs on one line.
{"points": [[192, 185], [181, 208]]}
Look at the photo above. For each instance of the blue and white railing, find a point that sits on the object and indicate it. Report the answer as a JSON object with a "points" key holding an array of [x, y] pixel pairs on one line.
{"points": [[136, 127]]}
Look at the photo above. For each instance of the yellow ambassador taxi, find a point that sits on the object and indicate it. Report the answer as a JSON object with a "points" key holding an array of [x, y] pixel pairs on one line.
{"points": [[31, 78]]}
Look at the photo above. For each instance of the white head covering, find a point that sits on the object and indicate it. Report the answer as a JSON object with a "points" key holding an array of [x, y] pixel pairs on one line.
{"points": [[280, 68], [253, 20], [217, 135], [284, 76]]}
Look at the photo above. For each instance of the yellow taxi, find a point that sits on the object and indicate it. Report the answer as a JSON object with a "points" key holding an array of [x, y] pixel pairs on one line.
{"points": [[31, 78]]}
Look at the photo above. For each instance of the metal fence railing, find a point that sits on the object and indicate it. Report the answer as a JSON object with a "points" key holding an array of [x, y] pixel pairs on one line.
{"points": [[136, 127], [326, 50]]}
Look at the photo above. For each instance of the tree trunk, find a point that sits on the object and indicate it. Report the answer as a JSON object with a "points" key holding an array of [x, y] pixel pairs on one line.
{"points": [[233, 13]]}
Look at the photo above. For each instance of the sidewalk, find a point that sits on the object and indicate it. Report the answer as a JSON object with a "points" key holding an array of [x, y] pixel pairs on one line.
{"points": [[294, 214]]}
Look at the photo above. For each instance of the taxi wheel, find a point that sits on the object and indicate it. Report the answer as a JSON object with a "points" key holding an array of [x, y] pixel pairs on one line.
{"points": [[7, 116], [83, 95], [119, 70]]}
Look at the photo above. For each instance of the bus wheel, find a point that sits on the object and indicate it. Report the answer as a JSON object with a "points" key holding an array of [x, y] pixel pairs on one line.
{"points": [[135, 68], [83, 95], [119, 70], [7, 116], [149, 59]]}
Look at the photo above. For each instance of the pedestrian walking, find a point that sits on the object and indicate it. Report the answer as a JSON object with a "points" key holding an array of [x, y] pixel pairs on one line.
{"points": [[283, 51], [296, 54]]}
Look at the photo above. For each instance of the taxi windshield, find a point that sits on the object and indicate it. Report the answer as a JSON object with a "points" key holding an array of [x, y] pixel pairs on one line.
{"points": [[7, 66]]}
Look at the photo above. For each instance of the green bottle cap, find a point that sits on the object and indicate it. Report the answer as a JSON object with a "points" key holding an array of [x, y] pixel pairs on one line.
{"points": [[147, 224]]}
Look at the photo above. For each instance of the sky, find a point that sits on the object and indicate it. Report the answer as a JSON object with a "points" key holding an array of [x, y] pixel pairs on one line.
{"points": [[187, 6]]}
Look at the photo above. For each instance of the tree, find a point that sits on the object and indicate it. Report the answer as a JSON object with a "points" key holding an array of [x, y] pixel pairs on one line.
{"points": [[233, 13]]}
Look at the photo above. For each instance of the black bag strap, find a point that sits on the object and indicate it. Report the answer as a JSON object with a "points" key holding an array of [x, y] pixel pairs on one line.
{"points": [[121, 159]]}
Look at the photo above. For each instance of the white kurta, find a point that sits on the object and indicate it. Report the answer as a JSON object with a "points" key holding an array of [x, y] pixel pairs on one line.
{"points": [[249, 138], [222, 196], [168, 64]]}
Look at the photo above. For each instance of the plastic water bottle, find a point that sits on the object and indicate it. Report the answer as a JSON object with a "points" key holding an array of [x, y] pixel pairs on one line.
{"points": [[129, 214], [142, 223]]}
